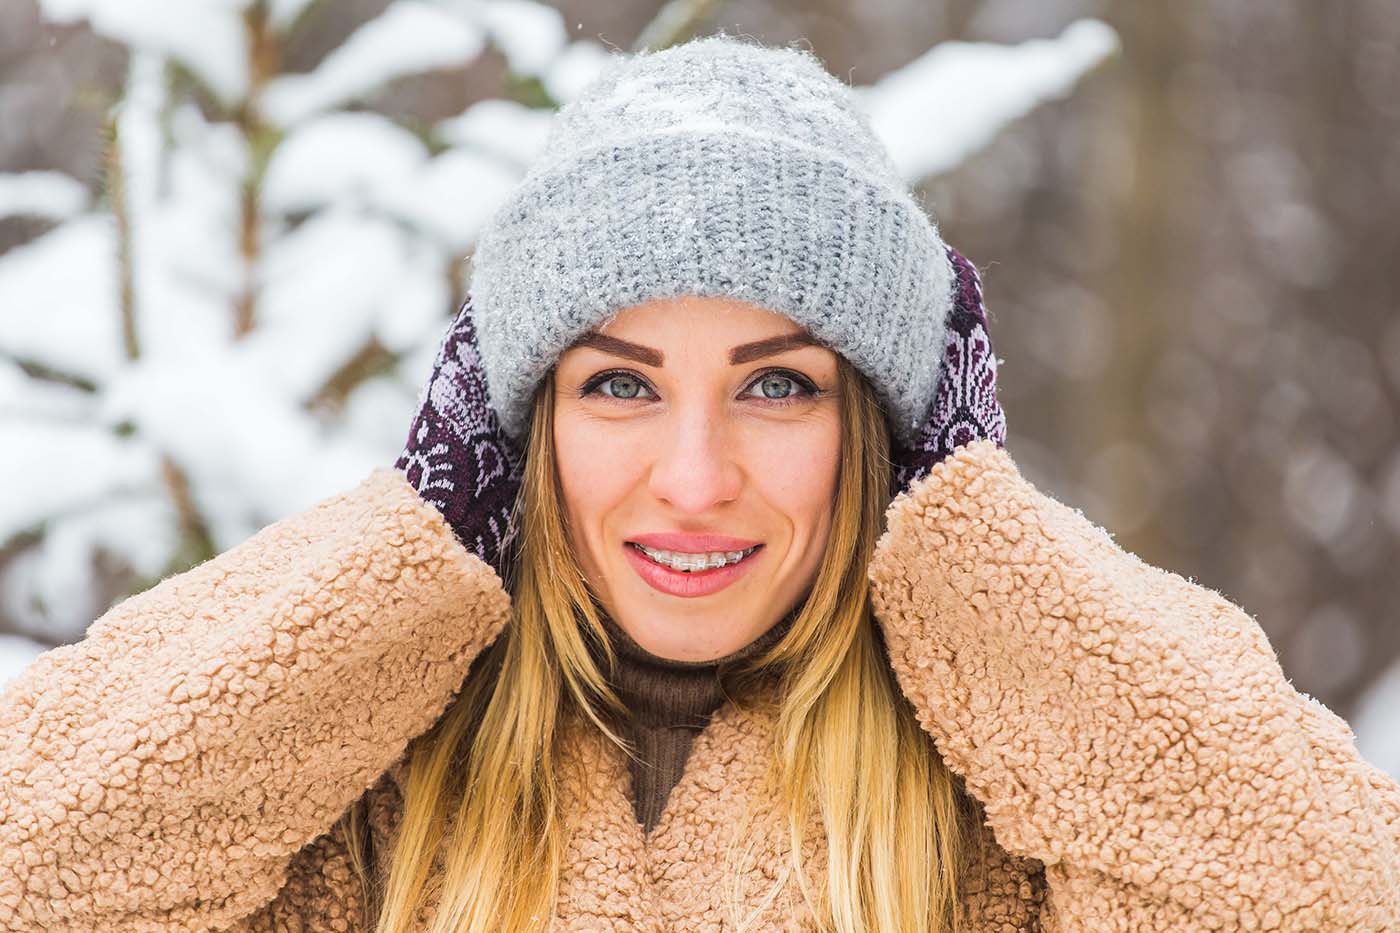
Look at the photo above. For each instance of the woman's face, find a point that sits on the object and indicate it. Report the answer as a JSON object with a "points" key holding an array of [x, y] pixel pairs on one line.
{"points": [[689, 433]]}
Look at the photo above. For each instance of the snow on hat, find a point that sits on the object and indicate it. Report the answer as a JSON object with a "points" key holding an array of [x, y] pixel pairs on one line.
{"points": [[723, 168]]}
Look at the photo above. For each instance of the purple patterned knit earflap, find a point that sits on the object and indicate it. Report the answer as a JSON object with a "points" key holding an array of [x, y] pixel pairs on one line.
{"points": [[457, 456], [966, 407]]}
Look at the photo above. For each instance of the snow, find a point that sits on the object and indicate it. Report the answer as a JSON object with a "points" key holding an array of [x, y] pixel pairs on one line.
{"points": [[283, 13], [364, 160], [139, 131], [530, 35], [49, 591], [184, 207], [409, 37], [340, 156], [510, 130], [938, 110], [454, 195], [379, 410], [51, 469], [58, 301], [16, 654], [206, 36], [251, 456], [41, 194], [39, 399], [331, 284]]}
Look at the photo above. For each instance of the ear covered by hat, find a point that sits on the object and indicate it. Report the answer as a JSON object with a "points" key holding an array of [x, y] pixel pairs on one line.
{"points": [[460, 460]]}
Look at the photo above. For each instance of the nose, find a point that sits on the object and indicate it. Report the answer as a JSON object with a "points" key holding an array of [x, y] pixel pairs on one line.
{"points": [[695, 469]]}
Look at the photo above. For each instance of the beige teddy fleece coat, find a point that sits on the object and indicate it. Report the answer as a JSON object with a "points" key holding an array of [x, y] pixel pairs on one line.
{"points": [[1143, 762]]}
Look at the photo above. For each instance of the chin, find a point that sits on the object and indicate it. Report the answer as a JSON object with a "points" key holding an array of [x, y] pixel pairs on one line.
{"points": [[692, 639]]}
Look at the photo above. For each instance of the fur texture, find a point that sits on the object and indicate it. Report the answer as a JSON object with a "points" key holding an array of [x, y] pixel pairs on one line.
{"points": [[1142, 760]]}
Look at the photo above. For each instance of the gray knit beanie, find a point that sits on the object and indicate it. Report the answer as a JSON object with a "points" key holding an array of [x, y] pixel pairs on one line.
{"points": [[719, 167]]}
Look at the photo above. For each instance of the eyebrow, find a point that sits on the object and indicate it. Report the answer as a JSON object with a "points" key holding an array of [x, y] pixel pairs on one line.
{"points": [[743, 353]]}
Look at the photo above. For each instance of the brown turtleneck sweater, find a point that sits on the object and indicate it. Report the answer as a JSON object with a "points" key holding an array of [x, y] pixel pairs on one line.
{"points": [[670, 703]]}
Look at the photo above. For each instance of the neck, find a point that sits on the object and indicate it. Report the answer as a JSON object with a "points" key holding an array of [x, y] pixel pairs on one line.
{"points": [[665, 691], [669, 702]]}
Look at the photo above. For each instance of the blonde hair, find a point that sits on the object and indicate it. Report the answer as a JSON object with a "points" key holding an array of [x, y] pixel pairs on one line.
{"points": [[898, 822]]}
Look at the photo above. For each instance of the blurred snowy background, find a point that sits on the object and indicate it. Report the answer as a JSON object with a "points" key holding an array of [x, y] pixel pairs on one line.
{"points": [[232, 232]]}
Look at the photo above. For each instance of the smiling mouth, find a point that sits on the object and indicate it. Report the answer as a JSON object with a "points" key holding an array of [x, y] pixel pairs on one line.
{"points": [[684, 562]]}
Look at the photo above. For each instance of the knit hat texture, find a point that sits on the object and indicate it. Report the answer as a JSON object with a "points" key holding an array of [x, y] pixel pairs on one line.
{"points": [[719, 167]]}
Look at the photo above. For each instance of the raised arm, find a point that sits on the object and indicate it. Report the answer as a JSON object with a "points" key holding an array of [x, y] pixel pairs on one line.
{"points": [[1131, 730], [162, 773]]}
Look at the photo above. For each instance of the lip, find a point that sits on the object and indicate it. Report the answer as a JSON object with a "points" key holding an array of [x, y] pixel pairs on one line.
{"points": [[688, 585], [692, 544]]}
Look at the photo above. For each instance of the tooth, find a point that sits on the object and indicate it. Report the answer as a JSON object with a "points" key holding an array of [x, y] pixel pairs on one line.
{"points": [[692, 562]]}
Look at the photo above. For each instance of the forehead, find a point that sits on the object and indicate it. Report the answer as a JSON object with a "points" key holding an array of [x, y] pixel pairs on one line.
{"points": [[699, 331]]}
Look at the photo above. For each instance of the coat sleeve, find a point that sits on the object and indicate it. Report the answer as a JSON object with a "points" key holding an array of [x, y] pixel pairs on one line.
{"points": [[162, 773], [1131, 730]]}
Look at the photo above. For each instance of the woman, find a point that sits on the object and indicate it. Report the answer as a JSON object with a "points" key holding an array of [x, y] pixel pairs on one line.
{"points": [[634, 638]]}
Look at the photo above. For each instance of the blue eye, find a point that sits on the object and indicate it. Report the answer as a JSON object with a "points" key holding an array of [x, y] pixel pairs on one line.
{"points": [[775, 387], [622, 387], [617, 385]]}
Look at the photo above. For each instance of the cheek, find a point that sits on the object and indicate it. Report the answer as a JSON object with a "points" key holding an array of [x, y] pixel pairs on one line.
{"points": [[797, 474], [594, 475]]}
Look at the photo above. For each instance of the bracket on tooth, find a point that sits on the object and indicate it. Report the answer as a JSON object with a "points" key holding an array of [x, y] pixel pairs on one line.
{"points": [[684, 565]]}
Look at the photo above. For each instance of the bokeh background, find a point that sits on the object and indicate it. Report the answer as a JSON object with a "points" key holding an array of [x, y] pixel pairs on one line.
{"points": [[231, 233]]}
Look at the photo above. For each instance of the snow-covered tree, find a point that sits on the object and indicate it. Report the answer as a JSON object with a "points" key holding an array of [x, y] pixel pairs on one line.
{"points": [[238, 323]]}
